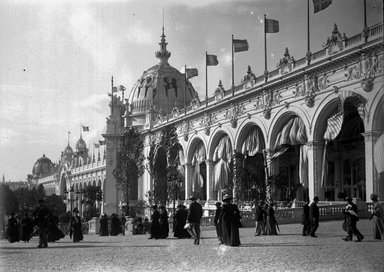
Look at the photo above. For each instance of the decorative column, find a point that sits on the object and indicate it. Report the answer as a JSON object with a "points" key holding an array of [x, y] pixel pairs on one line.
{"points": [[315, 158], [188, 180], [210, 194], [372, 179]]}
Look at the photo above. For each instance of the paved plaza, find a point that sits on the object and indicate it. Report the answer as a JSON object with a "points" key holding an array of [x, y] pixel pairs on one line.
{"points": [[288, 251]]}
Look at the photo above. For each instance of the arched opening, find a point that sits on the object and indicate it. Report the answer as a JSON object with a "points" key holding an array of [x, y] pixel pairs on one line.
{"points": [[199, 170], [222, 166], [250, 164], [287, 176]]}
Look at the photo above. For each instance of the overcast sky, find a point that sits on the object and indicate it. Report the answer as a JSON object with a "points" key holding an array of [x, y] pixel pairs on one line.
{"points": [[57, 57]]}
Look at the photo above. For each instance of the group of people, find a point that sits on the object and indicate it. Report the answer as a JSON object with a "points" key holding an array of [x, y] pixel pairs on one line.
{"points": [[266, 223], [117, 225], [159, 223], [46, 226]]}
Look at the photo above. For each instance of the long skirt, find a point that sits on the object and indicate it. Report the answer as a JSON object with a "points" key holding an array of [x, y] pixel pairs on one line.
{"points": [[378, 227]]}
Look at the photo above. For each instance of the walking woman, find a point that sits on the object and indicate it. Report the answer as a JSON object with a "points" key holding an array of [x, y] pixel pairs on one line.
{"points": [[230, 222], [12, 229], [271, 223], [377, 218], [76, 226]]}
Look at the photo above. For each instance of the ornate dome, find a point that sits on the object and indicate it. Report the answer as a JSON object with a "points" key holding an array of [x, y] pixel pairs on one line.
{"points": [[161, 87], [80, 145], [68, 153], [42, 167]]}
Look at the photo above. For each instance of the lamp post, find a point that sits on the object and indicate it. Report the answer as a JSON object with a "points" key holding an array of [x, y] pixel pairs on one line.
{"points": [[176, 185], [71, 196]]}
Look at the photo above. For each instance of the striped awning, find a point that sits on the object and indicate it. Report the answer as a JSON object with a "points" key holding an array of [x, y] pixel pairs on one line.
{"points": [[334, 124], [253, 144], [378, 154], [293, 133]]}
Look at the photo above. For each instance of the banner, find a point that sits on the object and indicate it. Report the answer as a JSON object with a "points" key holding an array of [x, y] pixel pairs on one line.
{"points": [[319, 5], [85, 128], [212, 60], [271, 26], [191, 72], [240, 45]]}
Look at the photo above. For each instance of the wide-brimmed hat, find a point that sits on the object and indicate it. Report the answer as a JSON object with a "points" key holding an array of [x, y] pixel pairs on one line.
{"points": [[226, 197], [192, 198], [374, 197], [316, 198]]}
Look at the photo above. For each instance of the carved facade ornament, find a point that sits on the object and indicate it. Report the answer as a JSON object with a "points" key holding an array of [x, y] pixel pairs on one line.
{"points": [[233, 113], [286, 64], [322, 82], [219, 92], [267, 98], [184, 130], [206, 122], [310, 87], [160, 117], [175, 112], [335, 43], [249, 79], [196, 103]]}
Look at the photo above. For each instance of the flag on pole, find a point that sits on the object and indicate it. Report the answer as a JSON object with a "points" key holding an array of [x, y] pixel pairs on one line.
{"points": [[240, 45], [121, 88], [114, 89], [271, 26], [97, 145], [319, 5], [212, 60], [102, 142], [85, 128], [191, 72]]}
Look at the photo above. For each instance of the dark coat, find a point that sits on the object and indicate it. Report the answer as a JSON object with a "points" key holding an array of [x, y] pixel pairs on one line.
{"points": [[305, 216], [164, 225], [54, 233], [76, 227], [155, 226], [314, 211], [104, 226], [195, 212], [12, 230], [230, 220], [179, 222], [115, 226], [259, 213], [27, 229]]}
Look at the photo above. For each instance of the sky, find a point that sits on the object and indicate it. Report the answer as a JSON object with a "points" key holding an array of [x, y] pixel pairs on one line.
{"points": [[57, 57]]}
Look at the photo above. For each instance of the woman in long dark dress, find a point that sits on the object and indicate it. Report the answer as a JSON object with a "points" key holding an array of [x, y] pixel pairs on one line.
{"points": [[155, 226], [179, 222], [77, 233], [115, 225], [27, 226], [377, 218], [230, 222], [270, 228], [12, 229], [163, 222], [104, 226], [54, 233]]}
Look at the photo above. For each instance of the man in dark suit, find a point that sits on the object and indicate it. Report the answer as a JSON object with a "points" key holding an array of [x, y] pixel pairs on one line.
{"points": [[351, 215], [314, 216], [305, 221], [216, 223], [259, 217], [194, 217]]}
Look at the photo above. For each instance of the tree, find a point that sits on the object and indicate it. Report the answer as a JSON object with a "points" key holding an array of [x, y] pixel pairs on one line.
{"points": [[163, 161], [92, 194], [56, 204], [8, 200], [129, 163]]}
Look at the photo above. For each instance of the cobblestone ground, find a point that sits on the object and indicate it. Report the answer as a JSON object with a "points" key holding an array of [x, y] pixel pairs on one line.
{"points": [[288, 251]]}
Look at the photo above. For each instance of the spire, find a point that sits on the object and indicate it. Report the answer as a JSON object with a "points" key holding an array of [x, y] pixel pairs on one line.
{"points": [[163, 54], [3, 180]]}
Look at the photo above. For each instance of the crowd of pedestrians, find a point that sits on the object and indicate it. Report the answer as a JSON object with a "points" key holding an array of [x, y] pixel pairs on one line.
{"points": [[186, 222]]}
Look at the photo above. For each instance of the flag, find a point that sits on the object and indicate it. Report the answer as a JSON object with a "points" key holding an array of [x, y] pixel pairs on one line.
{"points": [[85, 128], [319, 5], [114, 89], [121, 88], [212, 60], [271, 26], [191, 72], [102, 142], [240, 45], [97, 145]]}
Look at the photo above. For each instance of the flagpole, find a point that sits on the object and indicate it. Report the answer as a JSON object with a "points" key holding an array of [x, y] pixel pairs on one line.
{"points": [[185, 89], [265, 49], [233, 70], [112, 95], [308, 37], [365, 30], [206, 80]]}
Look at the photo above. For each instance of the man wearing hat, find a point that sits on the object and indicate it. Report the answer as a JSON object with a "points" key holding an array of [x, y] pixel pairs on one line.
{"points": [[350, 212], [314, 216], [41, 219], [194, 217], [155, 225], [216, 223], [76, 224], [259, 217]]}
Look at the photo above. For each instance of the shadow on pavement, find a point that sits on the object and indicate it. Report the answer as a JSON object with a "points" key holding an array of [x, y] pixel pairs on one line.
{"points": [[275, 245]]}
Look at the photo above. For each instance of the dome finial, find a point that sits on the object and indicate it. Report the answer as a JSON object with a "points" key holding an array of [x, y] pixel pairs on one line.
{"points": [[163, 54]]}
